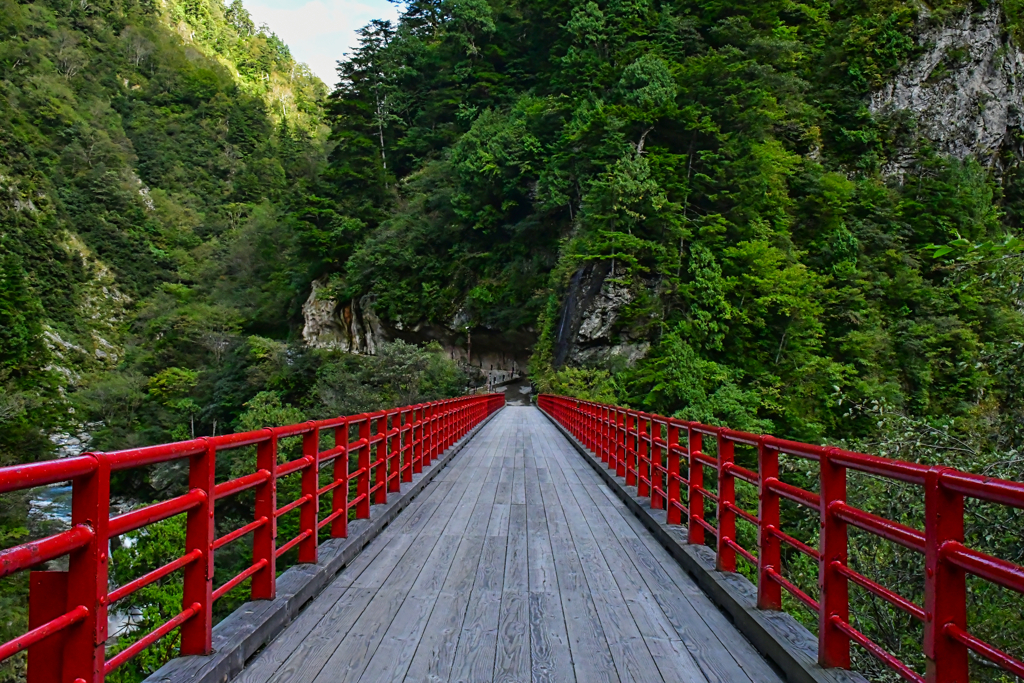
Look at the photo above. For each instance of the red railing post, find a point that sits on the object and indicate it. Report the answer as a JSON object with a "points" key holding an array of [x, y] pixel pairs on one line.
{"points": [[363, 483], [416, 434], [657, 485], [339, 496], [380, 476], [309, 510], [264, 542], [604, 432], [675, 501], [405, 422], [84, 652], [620, 443], [726, 561], [631, 447], [695, 472], [643, 467], [834, 599], [196, 637], [447, 426], [769, 592], [945, 586], [392, 425]]}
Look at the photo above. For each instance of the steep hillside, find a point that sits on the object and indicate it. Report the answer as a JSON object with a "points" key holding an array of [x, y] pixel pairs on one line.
{"points": [[789, 216], [160, 166], [801, 217]]}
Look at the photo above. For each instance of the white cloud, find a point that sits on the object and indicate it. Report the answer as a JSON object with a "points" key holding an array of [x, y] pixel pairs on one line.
{"points": [[319, 32]]}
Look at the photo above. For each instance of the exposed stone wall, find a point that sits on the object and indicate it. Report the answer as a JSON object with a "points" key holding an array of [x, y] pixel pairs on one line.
{"points": [[964, 91], [589, 330], [352, 327]]}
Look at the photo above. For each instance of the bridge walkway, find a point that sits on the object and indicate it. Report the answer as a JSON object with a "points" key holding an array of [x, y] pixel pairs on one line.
{"points": [[516, 563]]}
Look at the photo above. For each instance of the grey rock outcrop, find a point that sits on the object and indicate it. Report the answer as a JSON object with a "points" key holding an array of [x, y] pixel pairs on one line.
{"points": [[964, 91], [352, 327], [588, 333]]}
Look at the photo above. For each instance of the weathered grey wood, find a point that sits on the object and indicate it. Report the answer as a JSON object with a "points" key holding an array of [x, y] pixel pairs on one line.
{"points": [[435, 651], [242, 634], [550, 658], [787, 647], [591, 655], [518, 563]]}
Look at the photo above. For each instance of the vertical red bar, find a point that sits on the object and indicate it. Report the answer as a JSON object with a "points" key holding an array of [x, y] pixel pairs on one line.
{"points": [[380, 476], [657, 498], [632, 425], [417, 439], [672, 486], [430, 436], [84, 651], [339, 496], [310, 483], [365, 457], [405, 438], [264, 542], [644, 430], [592, 427], [620, 444], [695, 473], [196, 633], [47, 600], [604, 433], [945, 586], [833, 644], [769, 592], [726, 560], [394, 449]]}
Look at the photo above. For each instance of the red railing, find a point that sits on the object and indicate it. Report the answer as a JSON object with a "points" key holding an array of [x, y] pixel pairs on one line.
{"points": [[648, 451], [68, 610]]}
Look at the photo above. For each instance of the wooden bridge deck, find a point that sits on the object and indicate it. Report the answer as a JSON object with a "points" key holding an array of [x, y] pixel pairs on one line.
{"points": [[516, 563]]}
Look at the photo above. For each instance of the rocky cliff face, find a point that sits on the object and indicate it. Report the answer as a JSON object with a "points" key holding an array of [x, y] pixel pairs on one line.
{"points": [[964, 92], [588, 332], [352, 327]]}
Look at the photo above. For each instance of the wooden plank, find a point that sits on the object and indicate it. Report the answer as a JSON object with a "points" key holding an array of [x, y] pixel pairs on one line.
{"points": [[588, 646], [354, 652], [550, 657], [542, 563], [425, 566], [435, 651], [517, 572], [310, 653], [512, 656], [633, 661], [722, 653], [474, 657], [477, 642]]}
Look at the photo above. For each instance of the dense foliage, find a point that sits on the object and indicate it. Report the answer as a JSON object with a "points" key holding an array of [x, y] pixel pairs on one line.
{"points": [[172, 182], [722, 156], [157, 164]]}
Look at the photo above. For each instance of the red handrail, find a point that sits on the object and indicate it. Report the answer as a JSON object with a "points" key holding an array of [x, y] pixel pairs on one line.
{"points": [[641, 448], [68, 614]]}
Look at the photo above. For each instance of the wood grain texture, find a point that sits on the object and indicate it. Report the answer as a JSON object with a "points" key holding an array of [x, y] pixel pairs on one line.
{"points": [[516, 564]]}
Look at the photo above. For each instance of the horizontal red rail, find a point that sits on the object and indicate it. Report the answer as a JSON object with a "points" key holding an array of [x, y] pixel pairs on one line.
{"points": [[632, 443], [389, 446]]}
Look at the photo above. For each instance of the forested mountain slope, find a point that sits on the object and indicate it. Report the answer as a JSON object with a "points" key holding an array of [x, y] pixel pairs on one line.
{"points": [[157, 163], [782, 216], [796, 217]]}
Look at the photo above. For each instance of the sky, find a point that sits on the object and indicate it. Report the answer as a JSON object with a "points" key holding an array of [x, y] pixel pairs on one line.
{"points": [[319, 32]]}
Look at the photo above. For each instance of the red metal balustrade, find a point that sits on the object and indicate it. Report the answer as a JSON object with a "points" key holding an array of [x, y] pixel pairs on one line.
{"points": [[68, 610], [652, 452]]}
